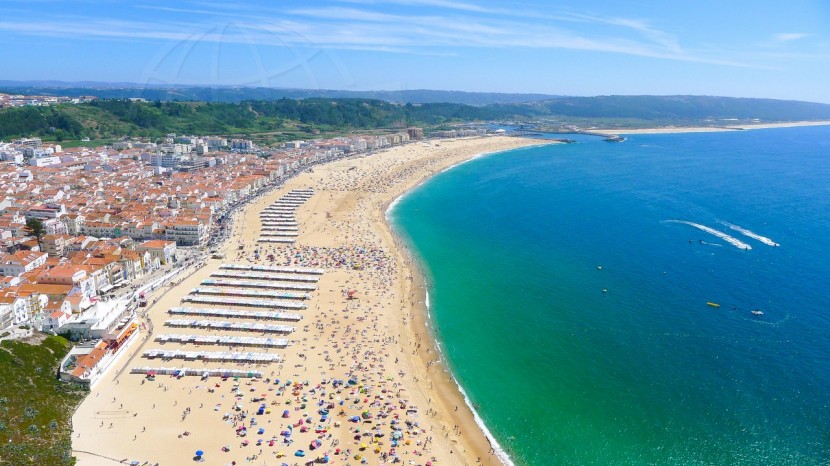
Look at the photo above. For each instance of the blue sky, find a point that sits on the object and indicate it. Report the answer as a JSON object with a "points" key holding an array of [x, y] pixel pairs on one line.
{"points": [[760, 48]]}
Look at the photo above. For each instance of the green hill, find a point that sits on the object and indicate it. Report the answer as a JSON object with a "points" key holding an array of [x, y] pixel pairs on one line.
{"points": [[273, 120], [35, 407], [238, 94], [116, 117]]}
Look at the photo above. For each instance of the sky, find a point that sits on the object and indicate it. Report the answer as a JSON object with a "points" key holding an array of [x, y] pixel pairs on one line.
{"points": [[760, 48]]}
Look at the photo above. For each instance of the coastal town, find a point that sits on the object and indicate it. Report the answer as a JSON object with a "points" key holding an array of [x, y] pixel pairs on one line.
{"points": [[209, 240], [112, 218]]}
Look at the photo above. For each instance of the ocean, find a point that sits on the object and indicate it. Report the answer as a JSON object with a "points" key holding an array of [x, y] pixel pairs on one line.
{"points": [[569, 289]]}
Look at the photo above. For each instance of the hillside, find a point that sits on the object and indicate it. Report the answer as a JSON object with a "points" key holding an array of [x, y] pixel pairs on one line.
{"points": [[116, 118], [35, 407], [275, 120], [239, 94]]}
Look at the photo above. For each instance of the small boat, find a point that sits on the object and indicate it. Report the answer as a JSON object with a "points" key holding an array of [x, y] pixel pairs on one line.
{"points": [[710, 303], [757, 312]]}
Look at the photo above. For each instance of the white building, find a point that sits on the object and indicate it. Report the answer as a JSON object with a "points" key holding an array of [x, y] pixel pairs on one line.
{"points": [[44, 161]]}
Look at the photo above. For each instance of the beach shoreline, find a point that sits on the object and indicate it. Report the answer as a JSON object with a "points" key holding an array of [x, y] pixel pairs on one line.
{"points": [[482, 446], [709, 129], [349, 207]]}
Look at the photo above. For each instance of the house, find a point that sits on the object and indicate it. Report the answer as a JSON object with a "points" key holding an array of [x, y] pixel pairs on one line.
{"points": [[21, 262], [134, 264], [8, 282], [55, 320], [6, 315], [161, 252], [186, 232], [79, 243], [68, 274], [19, 309], [74, 223], [55, 245]]}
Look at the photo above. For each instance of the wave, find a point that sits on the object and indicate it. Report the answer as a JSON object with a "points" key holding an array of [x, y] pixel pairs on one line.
{"points": [[500, 453], [751, 234], [393, 204], [729, 239]]}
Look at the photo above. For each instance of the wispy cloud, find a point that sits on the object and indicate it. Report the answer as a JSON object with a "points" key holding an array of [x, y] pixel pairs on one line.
{"points": [[789, 36], [446, 28], [445, 4], [180, 10]]}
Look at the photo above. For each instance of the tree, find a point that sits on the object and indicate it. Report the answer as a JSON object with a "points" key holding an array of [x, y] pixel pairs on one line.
{"points": [[35, 227]]}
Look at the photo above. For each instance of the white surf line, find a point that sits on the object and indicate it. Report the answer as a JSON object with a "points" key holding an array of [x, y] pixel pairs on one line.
{"points": [[751, 234], [729, 239]]}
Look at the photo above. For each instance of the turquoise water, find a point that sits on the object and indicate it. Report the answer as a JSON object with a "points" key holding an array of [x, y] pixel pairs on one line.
{"points": [[647, 372]]}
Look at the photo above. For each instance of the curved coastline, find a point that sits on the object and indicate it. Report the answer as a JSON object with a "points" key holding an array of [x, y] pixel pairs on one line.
{"points": [[420, 275], [399, 305]]}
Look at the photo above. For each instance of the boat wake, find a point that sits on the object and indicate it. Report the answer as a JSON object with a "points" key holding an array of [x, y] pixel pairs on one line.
{"points": [[751, 234], [729, 239]]}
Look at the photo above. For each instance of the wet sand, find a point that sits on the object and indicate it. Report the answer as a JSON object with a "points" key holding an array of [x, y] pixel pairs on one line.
{"points": [[379, 344]]}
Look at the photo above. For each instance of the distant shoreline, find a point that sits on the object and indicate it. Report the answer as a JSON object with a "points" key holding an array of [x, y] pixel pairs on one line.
{"points": [[709, 129]]}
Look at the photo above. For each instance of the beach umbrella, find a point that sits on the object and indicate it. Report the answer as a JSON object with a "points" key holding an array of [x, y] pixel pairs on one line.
{"points": [[199, 453]]}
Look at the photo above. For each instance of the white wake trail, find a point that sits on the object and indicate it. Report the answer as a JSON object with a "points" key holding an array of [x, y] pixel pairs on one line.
{"points": [[751, 234], [729, 239]]}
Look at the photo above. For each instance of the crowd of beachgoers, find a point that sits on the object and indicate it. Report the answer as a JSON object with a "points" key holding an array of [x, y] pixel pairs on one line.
{"points": [[357, 383]]}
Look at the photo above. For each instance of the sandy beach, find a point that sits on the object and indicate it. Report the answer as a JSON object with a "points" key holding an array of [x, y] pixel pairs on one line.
{"points": [[710, 129], [360, 381]]}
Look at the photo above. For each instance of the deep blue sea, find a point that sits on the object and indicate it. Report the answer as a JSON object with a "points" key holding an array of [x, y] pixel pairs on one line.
{"points": [[570, 299]]}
